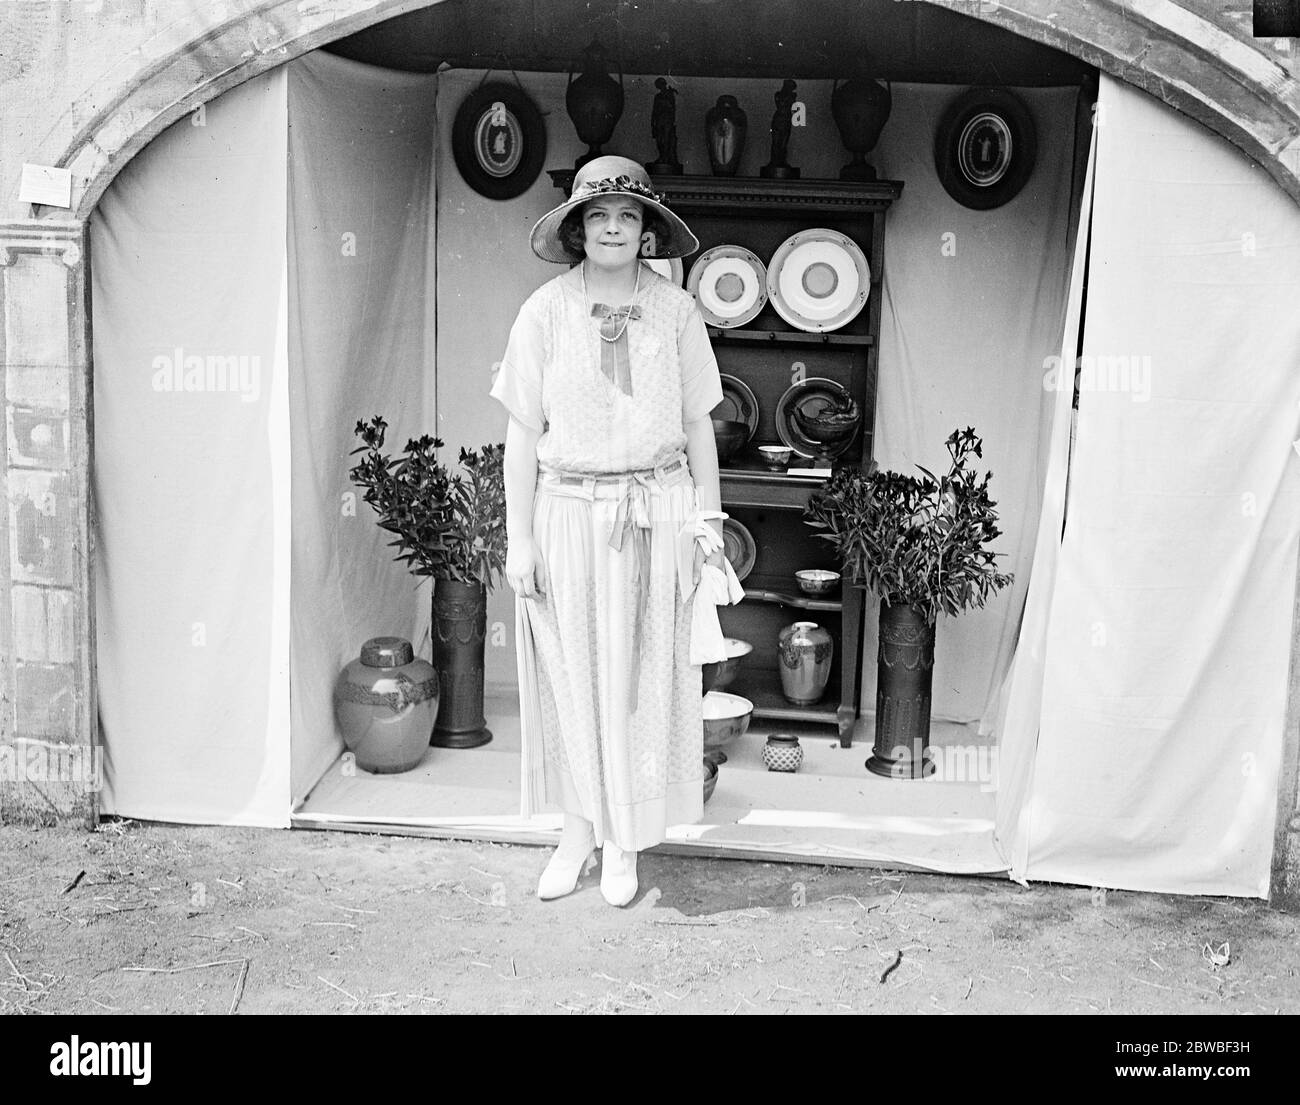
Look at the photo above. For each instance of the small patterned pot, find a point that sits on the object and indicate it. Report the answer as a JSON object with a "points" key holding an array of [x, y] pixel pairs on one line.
{"points": [[782, 753]]}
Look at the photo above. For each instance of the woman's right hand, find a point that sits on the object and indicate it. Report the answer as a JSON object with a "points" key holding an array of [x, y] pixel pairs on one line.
{"points": [[524, 569]]}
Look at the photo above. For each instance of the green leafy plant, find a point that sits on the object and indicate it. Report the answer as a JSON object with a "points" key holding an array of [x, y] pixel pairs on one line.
{"points": [[447, 526], [915, 540]]}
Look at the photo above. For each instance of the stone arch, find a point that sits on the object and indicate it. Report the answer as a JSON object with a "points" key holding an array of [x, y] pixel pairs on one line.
{"points": [[1204, 65], [1223, 80]]}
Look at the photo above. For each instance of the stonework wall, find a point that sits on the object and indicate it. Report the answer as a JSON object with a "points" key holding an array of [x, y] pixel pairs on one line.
{"points": [[47, 769]]}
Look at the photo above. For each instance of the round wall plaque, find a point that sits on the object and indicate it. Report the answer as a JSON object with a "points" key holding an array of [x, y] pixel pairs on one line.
{"points": [[499, 141], [985, 147]]}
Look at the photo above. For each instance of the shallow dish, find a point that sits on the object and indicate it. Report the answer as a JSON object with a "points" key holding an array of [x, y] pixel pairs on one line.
{"points": [[818, 280], [811, 397], [738, 547], [730, 285], [817, 581], [668, 267], [738, 403]]}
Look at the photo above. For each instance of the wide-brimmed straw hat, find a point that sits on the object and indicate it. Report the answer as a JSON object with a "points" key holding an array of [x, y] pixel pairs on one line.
{"points": [[610, 175]]}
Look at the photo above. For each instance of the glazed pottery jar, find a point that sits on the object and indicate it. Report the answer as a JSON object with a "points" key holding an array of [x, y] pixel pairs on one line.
{"points": [[782, 752], [725, 126], [805, 650], [385, 703]]}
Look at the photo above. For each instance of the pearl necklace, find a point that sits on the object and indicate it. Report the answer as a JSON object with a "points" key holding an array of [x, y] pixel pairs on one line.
{"points": [[626, 318]]}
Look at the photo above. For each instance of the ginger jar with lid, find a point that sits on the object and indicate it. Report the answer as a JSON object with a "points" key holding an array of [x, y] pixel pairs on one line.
{"points": [[385, 703]]}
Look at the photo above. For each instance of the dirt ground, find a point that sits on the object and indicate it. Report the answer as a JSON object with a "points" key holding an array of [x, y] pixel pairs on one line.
{"points": [[153, 918]]}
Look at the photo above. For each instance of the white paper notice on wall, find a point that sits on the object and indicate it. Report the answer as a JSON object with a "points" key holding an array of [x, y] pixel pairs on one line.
{"points": [[45, 184]]}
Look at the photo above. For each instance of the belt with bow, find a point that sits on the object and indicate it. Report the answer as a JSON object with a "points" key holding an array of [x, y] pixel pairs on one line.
{"points": [[615, 362], [633, 517]]}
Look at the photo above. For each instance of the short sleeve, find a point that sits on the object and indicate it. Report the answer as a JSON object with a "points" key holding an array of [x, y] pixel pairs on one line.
{"points": [[518, 386], [701, 385]]}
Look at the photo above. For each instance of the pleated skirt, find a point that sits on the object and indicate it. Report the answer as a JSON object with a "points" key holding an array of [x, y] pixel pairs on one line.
{"points": [[611, 705]]}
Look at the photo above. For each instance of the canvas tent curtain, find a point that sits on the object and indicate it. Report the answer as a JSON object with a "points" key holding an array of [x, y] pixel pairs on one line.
{"points": [[1165, 649], [361, 310], [973, 308], [248, 310]]}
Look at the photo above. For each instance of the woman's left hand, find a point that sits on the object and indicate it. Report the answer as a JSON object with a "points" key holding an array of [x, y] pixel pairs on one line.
{"points": [[713, 559]]}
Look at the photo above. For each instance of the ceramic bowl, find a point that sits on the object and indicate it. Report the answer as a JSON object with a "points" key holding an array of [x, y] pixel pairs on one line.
{"points": [[718, 676], [731, 438], [710, 778], [776, 456], [817, 581], [831, 428], [726, 717]]}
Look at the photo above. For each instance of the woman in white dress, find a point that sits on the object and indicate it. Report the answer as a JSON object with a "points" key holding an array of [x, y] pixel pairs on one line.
{"points": [[610, 461]]}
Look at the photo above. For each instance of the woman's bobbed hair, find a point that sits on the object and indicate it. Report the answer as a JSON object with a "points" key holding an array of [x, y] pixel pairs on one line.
{"points": [[572, 236]]}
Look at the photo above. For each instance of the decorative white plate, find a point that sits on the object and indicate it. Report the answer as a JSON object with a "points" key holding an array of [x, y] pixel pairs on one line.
{"points": [[818, 280], [730, 284], [671, 267]]}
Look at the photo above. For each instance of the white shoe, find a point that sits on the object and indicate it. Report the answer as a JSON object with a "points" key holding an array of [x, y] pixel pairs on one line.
{"points": [[617, 874], [568, 861]]}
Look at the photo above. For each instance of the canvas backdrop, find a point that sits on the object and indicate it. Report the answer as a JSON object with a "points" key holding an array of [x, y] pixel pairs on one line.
{"points": [[1166, 645], [283, 230], [974, 308]]}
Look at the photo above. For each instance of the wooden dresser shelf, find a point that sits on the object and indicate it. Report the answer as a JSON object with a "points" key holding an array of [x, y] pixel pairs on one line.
{"points": [[782, 592], [720, 333], [763, 689]]}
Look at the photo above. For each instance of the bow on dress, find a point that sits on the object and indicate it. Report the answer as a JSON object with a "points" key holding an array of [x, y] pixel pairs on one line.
{"points": [[632, 520], [615, 362]]}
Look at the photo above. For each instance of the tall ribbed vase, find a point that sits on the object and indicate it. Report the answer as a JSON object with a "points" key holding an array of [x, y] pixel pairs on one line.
{"points": [[904, 674], [459, 631]]}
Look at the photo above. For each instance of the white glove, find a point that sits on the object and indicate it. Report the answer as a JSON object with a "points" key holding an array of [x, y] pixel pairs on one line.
{"points": [[708, 538], [696, 532]]}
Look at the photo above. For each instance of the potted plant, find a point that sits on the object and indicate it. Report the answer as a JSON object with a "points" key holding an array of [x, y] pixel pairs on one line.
{"points": [[921, 544], [450, 527]]}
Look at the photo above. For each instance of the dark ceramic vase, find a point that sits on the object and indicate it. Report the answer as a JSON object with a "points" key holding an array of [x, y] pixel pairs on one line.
{"points": [[594, 102], [860, 108], [904, 674], [385, 703], [459, 631], [725, 127]]}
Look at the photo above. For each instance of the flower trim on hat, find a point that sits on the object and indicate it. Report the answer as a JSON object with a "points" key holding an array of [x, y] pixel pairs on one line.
{"points": [[622, 183]]}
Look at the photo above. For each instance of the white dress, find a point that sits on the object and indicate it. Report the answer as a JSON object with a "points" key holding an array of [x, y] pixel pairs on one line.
{"points": [[631, 771]]}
